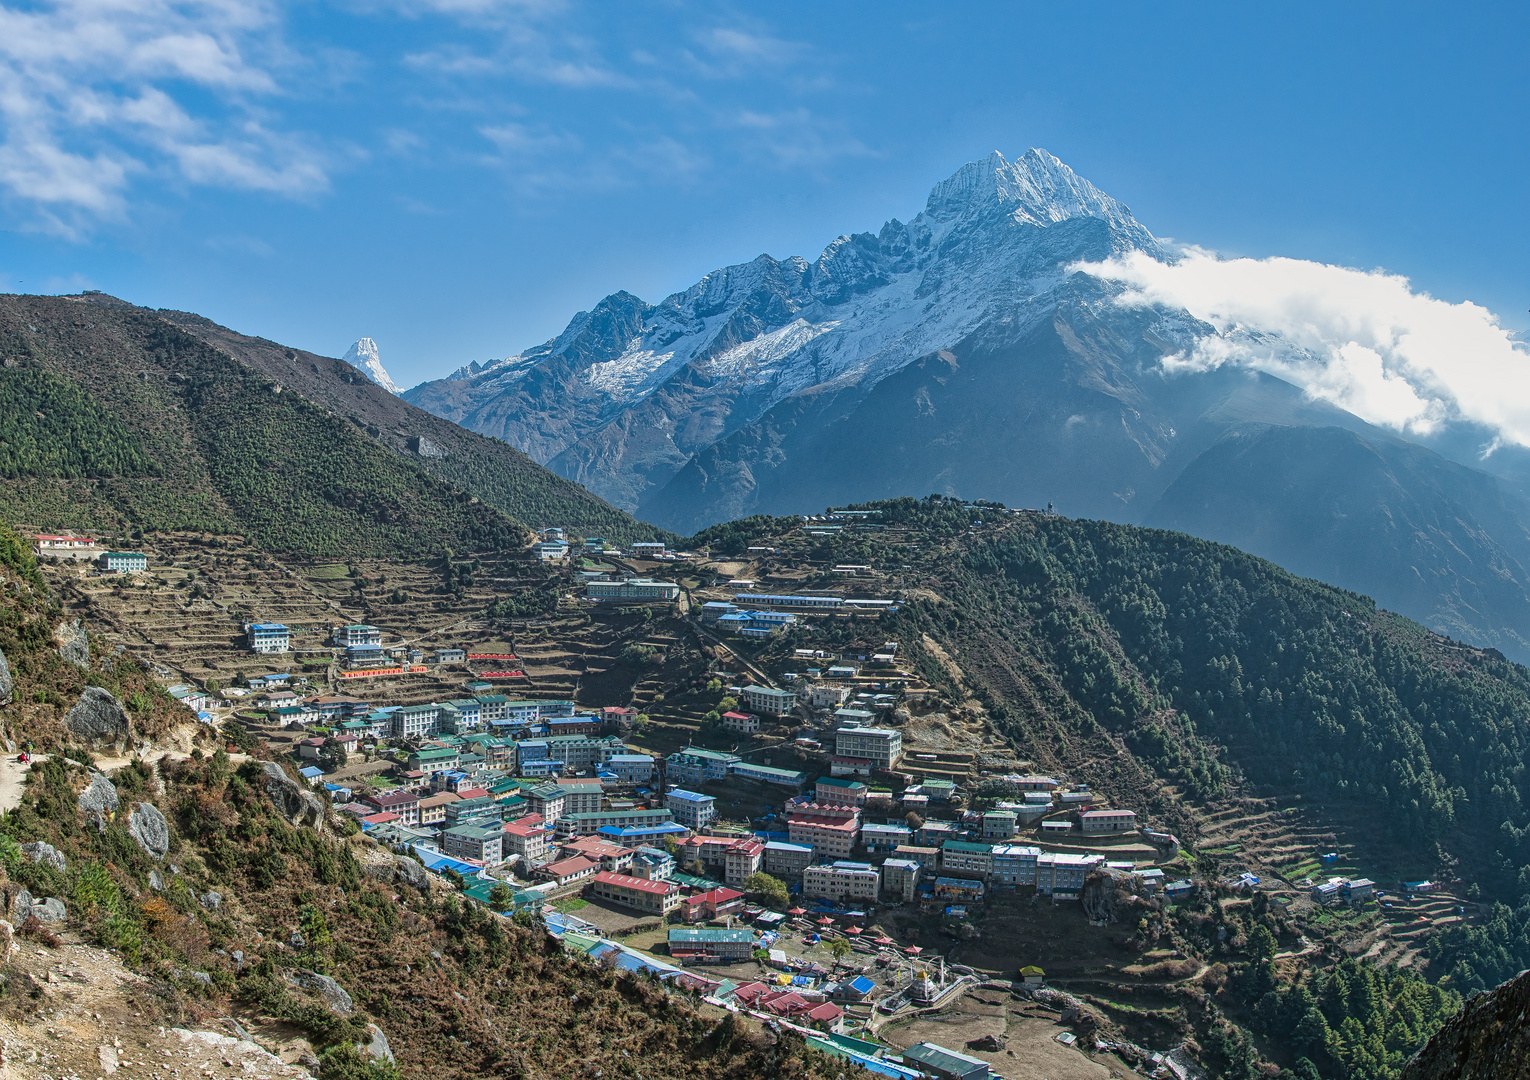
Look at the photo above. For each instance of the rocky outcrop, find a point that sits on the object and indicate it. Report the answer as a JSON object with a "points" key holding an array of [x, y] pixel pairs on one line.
{"points": [[26, 906], [335, 999], [100, 801], [97, 718], [73, 643], [43, 852], [298, 805], [1109, 896], [149, 829], [7, 684], [1489, 1039], [376, 1047]]}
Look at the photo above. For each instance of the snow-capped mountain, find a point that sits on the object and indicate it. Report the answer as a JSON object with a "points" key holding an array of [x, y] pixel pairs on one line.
{"points": [[363, 356], [966, 353]]}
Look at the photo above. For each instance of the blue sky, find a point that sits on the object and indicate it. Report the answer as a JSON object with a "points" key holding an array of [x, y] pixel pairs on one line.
{"points": [[456, 178]]}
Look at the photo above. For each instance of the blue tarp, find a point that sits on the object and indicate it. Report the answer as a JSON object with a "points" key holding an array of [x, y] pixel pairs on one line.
{"points": [[434, 860]]}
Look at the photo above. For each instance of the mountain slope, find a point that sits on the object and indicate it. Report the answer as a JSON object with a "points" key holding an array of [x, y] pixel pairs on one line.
{"points": [[959, 354], [216, 432]]}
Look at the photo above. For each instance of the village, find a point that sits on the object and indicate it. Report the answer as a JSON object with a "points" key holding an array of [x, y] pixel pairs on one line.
{"points": [[824, 872]]}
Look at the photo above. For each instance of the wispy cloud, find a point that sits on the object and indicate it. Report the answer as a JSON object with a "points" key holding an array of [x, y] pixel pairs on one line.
{"points": [[1363, 340], [93, 93]]}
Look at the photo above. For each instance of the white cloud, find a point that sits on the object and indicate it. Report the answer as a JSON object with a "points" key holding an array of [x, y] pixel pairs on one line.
{"points": [[1364, 340], [94, 93]]}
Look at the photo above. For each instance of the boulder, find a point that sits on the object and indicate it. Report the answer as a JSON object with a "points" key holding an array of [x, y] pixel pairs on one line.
{"points": [[335, 999], [49, 910], [376, 1047], [43, 852], [21, 907], [148, 827], [411, 872], [100, 797], [212, 901], [298, 805], [97, 717], [7, 684], [156, 880], [73, 643]]}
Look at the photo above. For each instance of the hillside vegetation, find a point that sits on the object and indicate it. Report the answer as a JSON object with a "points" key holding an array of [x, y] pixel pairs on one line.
{"points": [[119, 418]]}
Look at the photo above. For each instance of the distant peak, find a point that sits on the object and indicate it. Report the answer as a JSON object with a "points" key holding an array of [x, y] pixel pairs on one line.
{"points": [[1036, 187], [363, 356]]}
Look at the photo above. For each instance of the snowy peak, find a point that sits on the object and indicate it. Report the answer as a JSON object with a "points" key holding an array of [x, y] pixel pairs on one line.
{"points": [[1037, 188], [363, 356]]}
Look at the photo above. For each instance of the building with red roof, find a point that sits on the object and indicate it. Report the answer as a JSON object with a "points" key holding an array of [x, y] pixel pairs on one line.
{"points": [[639, 894]]}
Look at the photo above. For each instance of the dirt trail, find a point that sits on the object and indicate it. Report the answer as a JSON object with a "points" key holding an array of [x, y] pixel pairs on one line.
{"points": [[13, 774], [85, 1017]]}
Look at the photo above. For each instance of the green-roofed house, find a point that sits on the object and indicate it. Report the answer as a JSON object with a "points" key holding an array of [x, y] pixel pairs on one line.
{"points": [[711, 942]]}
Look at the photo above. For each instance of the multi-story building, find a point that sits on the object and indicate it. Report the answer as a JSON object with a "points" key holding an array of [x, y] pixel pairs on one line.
{"points": [[585, 824], [433, 808], [743, 723], [547, 801], [696, 766], [927, 857], [125, 562], [711, 942], [631, 768], [831, 831], [528, 837], [416, 721], [787, 860], [1014, 864], [355, 634], [469, 715], [840, 792], [475, 810], [479, 843], [963, 857], [744, 858], [880, 746], [268, 637], [1062, 873], [577, 752], [612, 857], [935, 833], [580, 796], [632, 589], [791, 779], [647, 549], [1098, 822], [768, 699], [843, 882], [652, 897], [652, 863], [406, 804], [691, 809], [887, 838], [998, 825], [900, 880], [568, 871], [432, 761], [492, 707]]}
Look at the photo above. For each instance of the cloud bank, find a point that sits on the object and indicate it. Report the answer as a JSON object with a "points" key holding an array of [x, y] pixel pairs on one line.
{"points": [[1365, 341]]}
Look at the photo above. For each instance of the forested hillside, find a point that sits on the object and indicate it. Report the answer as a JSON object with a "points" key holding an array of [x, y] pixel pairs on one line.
{"points": [[1174, 671], [118, 418]]}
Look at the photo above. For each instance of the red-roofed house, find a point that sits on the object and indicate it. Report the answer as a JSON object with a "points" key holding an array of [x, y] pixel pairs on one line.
{"points": [[712, 904], [612, 857], [527, 837], [380, 819], [640, 894], [567, 871]]}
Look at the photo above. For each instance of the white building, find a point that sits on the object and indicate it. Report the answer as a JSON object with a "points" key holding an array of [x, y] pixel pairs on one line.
{"points": [[693, 810], [881, 746], [842, 881], [767, 699], [268, 637]]}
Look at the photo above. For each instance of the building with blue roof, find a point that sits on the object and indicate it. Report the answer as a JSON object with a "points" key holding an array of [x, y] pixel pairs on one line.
{"points": [[268, 637], [692, 809]]}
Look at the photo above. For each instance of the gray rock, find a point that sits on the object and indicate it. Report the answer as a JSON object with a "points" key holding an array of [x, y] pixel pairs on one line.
{"points": [[212, 901], [297, 940], [333, 994], [202, 977], [43, 852], [21, 907], [73, 644], [97, 717], [148, 827], [377, 1047], [100, 797], [49, 910], [7, 684], [238, 957], [156, 880], [411, 872], [298, 805]]}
